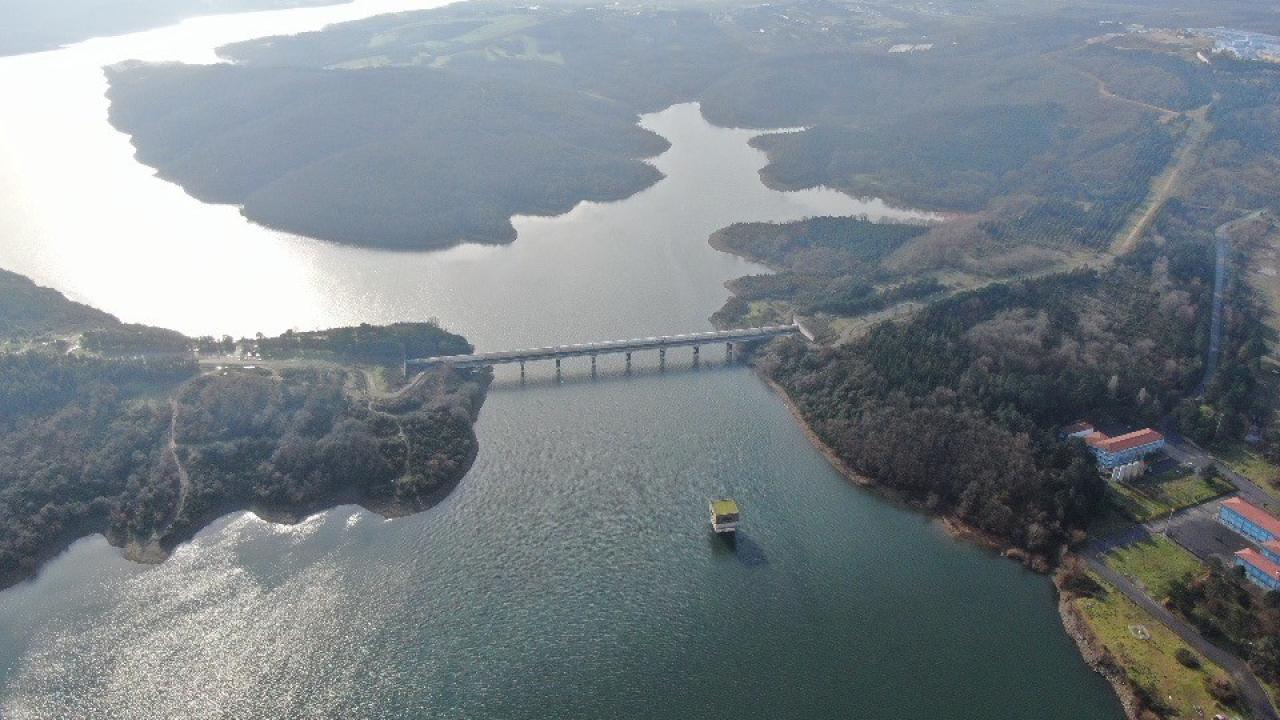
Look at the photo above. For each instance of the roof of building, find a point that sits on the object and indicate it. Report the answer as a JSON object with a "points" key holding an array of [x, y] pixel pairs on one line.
{"points": [[1254, 514], [1078, 426], [724, 507], [1254, 558], [1128, 441], [1272, 547]]}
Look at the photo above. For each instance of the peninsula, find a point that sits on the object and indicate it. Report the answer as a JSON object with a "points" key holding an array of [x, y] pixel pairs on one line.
{"points": [[146, 436]]}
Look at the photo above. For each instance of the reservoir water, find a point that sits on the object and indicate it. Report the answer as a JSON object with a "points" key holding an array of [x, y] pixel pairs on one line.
{"points": [[571, 574]]}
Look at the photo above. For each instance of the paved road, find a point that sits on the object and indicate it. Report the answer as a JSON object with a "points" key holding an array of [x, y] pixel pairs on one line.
{"points": [[1184, 451], [1255, 696]]}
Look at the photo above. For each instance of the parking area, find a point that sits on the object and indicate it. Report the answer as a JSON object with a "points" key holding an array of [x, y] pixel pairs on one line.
{"points": [[1198, 530]]}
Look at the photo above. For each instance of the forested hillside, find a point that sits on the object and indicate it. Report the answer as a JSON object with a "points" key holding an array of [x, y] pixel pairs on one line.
{"points": [[137, 442], [400, 158], [429, 128], [958, 408]]}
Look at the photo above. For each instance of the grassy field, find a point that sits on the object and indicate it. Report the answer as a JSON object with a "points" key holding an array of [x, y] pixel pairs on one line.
{"points": [[1155, 564], [1145, 649], [1149, 498], [1242, 459]]}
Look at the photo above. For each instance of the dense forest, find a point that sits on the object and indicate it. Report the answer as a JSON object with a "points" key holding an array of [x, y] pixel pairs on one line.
{"points": [[390, 157], [957, 408], [824, 265], [429, 128], [137, 442]]}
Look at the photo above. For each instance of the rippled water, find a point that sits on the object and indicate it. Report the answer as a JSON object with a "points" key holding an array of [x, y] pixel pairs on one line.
{"points": [[571, 574]]}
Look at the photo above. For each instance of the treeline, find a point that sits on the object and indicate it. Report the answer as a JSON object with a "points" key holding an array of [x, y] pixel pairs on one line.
{"points": [[1230, 612], [825, 265], [378, 344], [958, 408], [31, 311]]}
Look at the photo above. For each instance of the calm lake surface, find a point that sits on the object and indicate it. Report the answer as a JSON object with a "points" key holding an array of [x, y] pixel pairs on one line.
{"points": [[571, 574]]}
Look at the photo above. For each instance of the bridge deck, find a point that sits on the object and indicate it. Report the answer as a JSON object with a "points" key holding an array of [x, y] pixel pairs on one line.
{"points": [[608, 346]]}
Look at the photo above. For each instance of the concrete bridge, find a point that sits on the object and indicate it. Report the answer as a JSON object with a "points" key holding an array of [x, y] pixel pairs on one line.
{"points": [[731, 339]]}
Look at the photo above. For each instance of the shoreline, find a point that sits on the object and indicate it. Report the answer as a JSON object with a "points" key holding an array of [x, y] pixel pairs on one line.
{"points": [[156, 551], [1091, 651], [955, 527], [1095, 655]]}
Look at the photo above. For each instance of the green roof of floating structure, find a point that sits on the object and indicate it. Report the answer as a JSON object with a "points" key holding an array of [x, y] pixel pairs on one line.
{"points": [[724, 507]]}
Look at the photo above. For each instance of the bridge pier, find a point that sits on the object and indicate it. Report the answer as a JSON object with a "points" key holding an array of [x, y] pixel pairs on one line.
{"points": [[521, 371], [628, 363], [662, 358], [557, 369], [593, 366], [695, 355], [728, 353]]}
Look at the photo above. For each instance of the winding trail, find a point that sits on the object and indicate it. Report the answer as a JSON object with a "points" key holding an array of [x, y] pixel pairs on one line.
{"points": [[1165, 113]]}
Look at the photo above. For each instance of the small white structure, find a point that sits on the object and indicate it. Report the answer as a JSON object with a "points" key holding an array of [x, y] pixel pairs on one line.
{"points": [[1128, 471]]}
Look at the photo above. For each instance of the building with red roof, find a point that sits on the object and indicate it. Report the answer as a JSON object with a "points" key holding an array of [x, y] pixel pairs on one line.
{"points": [[1249, 520], [1259, 569], [1272, 550], [1123, 449]]}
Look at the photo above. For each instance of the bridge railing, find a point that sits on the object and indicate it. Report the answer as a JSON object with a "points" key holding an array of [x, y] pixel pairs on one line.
{"points": [[605, 347]]}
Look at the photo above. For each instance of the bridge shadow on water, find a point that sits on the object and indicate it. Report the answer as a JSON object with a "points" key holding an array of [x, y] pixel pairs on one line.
{"points": [[507, 378], [740, 547]]}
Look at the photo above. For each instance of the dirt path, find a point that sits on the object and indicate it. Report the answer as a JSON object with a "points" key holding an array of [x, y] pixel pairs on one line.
{"points": [[184, 480], [1164, 185], [1165, 113]]}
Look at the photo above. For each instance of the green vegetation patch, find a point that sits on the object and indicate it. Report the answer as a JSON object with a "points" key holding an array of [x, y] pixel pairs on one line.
{"points": [[1150, 498], [1155, 563], [1251, 464], [1151, 664], [827, 265]]}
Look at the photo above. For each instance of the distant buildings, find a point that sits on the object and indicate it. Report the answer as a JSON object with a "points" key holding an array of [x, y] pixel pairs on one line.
{"points": [[1243, 44], [1256, 524]]}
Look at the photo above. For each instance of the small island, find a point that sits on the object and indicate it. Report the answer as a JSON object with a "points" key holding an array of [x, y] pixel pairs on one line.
{"points": [[146, 436]]}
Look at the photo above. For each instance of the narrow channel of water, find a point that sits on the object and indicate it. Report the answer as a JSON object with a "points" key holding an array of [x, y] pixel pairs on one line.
{"points": [[571, 574]]}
